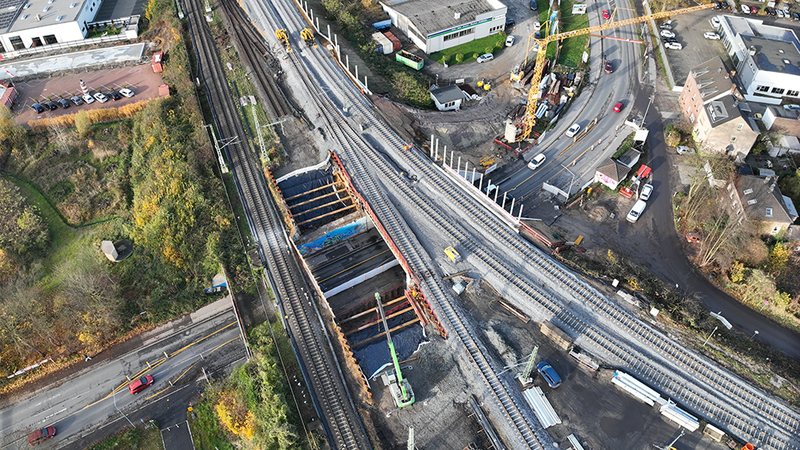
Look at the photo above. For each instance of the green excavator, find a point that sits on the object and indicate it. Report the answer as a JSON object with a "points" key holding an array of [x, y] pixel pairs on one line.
{"points": [[399, 387]]}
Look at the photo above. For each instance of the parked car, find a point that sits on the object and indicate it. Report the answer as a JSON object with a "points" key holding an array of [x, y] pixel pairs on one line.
{"points": [[647, 191], [62, 103], [606, 14], [140, 384], [670, 40], [796, 15], [129, 93], [509, 41], [50, 105], [114, 95], [745, 9], [666, 25], [573, 130], [88, 99], [77, 100], [38, 108], [42, 435], [636, 211], [715, 22], [537, 26], [618, 107], [609, 66], [510, 23], [537, 161], [711, 35], [771, 11], [780, 14], [791, 106], [754, 10], [674, 45], [100, 97], [684, 150], [667, 33], [549, 374], [534, 5], [485, 57]]}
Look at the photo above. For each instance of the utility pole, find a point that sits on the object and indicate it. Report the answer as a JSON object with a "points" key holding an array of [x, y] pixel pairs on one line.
{"points": [[529, 368], [667, 447], [114, 396]]}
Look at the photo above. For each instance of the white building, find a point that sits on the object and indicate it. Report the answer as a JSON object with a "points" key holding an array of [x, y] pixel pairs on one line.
{"points": [[34, 23], [448, 98], [435, 26], [767, 58]]}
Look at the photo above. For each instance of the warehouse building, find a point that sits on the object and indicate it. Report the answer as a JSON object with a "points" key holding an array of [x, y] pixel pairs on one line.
{"points": [[34, 23], [435, 26], [766, 57]]}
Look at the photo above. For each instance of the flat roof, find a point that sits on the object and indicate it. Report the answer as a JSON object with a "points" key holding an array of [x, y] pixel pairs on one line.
{"points": [[746, 26], [8, 9], [773, 55], [430, 17], [50, 12]]}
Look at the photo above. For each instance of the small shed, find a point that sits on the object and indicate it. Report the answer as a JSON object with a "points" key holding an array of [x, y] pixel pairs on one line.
{"points": [[448, 98], [109, 250]]}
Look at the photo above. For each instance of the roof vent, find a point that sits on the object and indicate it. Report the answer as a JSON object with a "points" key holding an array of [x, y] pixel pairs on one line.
{"points": [[786, 61], [24, 16], [780, 51], [752, 50], [27, 6], [457, 15], [72, 5], [46, 8], [38, 17], [58, 19]]}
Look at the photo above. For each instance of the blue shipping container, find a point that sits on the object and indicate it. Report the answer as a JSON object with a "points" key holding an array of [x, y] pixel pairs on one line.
{"points": [[382, 24]]}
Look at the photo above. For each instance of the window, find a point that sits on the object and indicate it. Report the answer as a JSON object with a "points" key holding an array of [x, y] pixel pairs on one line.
{"points": [[59, 18], [16, 42], [691, 118], [778, 91], [24, 16], [769, 212], [791, 93], [752, 201], [739, 128], [747, 191], [458, 34], [733, 139], [72, 5], [50, 39], [762, 89]]}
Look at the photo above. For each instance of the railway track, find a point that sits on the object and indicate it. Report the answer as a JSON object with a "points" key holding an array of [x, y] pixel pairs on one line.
{"points": [[320, 366], [719, 396]]}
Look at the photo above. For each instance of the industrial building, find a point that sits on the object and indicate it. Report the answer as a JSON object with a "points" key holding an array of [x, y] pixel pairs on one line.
{"points": [[34, 23], [435, 26], [766, 58]]}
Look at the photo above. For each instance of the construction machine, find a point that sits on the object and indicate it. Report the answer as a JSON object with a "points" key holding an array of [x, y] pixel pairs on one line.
{"points": [[308, 35], [541, 45], [398, 386], [283, 36]]}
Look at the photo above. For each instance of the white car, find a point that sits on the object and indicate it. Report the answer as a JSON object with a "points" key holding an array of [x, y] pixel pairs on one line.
{"points": [[711, 35], [87, 98], [647, 190], [780, 14], [537, 26], [485, 57], [126, 92], [745, 9], [715, 22], [573, 130], [537, 161], [667, 33], [100, 97], [684, 150], [674, 45], [636, 211], [509, 41]]}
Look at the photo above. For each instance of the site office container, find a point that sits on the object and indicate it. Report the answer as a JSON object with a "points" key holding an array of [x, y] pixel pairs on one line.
{"points": [[156, 64], [396, 45], [382, 43], [383, 24]]}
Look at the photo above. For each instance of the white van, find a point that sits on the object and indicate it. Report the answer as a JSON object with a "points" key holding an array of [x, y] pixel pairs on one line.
{"points": [[636, 211]]}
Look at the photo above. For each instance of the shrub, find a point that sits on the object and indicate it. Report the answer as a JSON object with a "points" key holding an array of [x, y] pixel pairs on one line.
{"points": [[459, 57]]}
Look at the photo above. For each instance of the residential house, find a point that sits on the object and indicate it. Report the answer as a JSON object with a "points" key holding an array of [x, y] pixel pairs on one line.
{"points": [[448, 98], [760, 198], [705, 83], [725, 126]]}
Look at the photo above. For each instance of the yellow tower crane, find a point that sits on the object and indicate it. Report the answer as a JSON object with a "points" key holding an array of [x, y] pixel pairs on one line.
{"points": [[533, 95]]}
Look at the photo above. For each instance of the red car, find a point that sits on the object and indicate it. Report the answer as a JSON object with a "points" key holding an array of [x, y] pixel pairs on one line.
{"points": [[609, 66], [606, 14], [618, 107], [42, 435], [140, 384]]}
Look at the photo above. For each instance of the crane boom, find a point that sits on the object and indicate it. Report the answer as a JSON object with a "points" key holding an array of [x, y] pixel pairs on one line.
{"points": [[533, 94], [406, 396]]}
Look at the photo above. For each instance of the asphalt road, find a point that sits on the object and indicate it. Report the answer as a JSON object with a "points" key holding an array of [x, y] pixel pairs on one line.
{"points": [[82, 405]]}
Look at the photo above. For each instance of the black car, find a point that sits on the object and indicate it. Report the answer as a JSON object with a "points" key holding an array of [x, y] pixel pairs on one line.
{"points": [[50, 105], [38, 108], [510, 23], [670, 40], [63, 103], [115, 95], [771, 11]]}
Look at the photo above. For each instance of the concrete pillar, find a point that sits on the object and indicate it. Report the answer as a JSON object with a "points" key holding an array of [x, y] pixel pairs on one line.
{"points": [[472, 180], [329, 32], [505, 195], [431, 148], [520, 212], [511, 210], [356, 66], [347, 59], [458, 166]]}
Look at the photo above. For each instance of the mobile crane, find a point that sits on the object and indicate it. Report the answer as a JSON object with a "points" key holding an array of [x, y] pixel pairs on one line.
{"points": [[398, 386], [533, 95]]}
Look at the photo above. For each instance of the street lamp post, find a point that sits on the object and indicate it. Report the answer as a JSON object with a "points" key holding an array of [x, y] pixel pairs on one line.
{"points": [[755, 333], [709, 336], [114, 396], [569, 191]]}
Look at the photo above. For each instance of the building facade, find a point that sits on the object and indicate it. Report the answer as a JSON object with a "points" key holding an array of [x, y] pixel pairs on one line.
{"points": [[705, 83], [34, 23], [724, 126], [435, 26]]}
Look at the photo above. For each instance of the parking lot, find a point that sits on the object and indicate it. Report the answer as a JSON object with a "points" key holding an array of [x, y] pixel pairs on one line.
{"points": [[140, 79]]}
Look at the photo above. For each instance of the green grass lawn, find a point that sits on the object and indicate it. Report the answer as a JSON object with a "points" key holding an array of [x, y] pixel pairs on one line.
{"points": [[572, 49], [470, 50]]}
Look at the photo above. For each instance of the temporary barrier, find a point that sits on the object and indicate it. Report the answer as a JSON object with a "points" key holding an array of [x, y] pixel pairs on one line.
{"points": [[541, 407], [679, 416], [636, 388]]}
